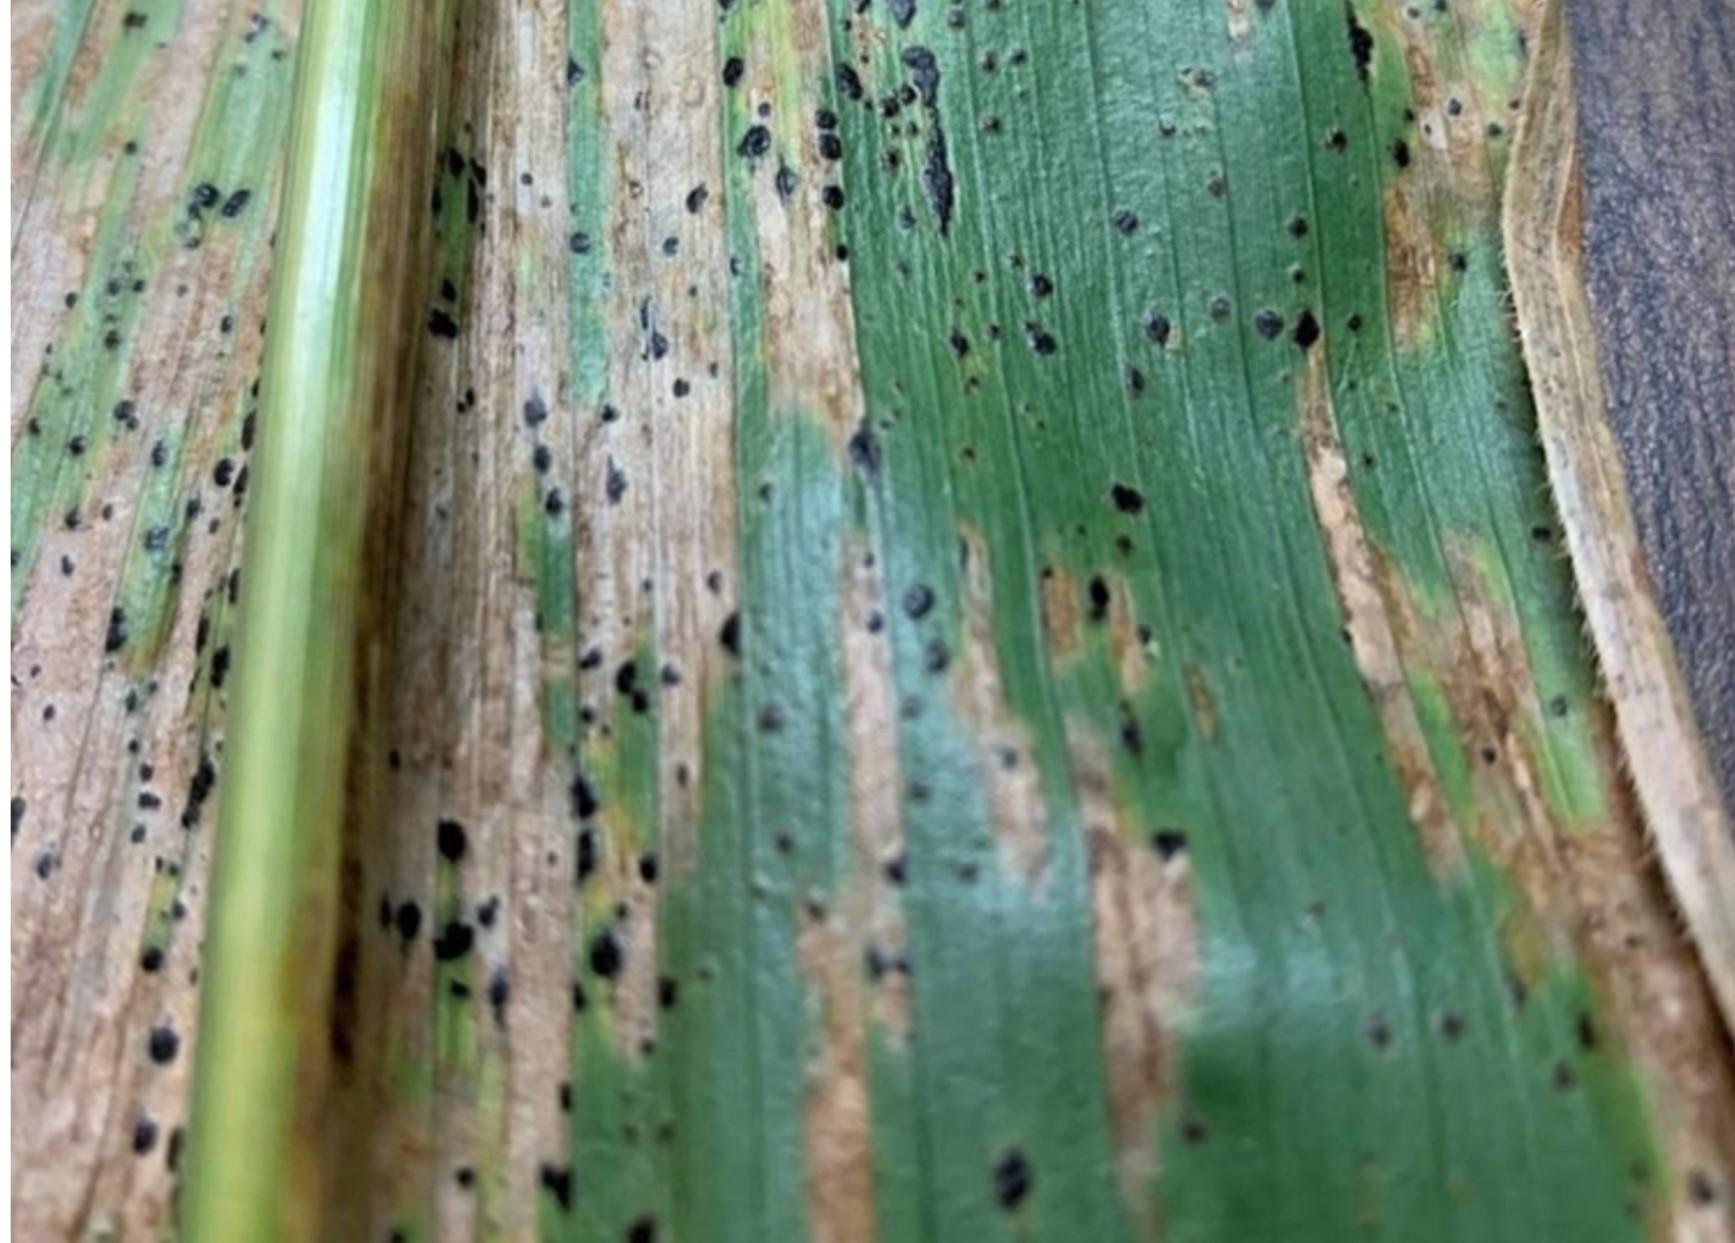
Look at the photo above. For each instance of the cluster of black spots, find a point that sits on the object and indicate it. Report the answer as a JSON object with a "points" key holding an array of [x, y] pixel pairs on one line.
{"points": [[829, 144], [557, 1181], [1361, 41], [847, 79], [1306, 330], [1013, 1178], [1128, 500], [199, 791]]}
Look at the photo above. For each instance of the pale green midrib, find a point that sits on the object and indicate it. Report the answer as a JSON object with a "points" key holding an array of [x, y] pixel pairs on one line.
{"points": [[283, 779]]}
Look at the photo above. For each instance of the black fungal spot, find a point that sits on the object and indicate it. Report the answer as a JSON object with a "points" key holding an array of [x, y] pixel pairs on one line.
{"points": [[755, 142], [1379, 1031], [1361, 42], [144, 1136], [733, 68], [1013, 1178], [864, 450], [1127, 499], [456, 939], [1098, 595], [236, 203], [1269, 324], [1168, 843], [696, 198], [1157, 328], [441, 324], [162, 1044], [1306, 330], [1401, 153], [1125, 222], [1700, 1189], [918, 601], [557, 1181], [452, 840], [830, 147], [579, 243], [784, 182], [499, 993], [606, 954], [116, 637], [585, 804], [408, 920], [903, 12], [729, 635], [1040, 340], [924, 74]]}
